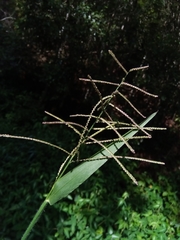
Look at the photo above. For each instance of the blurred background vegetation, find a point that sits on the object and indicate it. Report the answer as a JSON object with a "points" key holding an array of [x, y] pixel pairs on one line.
{"points": [[45, 47]]}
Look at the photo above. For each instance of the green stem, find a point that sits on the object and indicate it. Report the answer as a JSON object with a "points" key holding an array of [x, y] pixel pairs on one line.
{"points": [[34, 220]]}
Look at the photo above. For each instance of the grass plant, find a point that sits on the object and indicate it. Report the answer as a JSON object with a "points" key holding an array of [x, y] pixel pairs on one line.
{"points": [[100, 120]]}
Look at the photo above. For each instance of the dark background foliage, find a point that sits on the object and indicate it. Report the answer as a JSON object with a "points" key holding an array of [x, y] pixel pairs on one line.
{"points": [[45, 47]]}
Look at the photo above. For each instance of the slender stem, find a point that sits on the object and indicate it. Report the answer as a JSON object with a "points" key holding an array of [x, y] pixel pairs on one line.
{"points": [[34, 220]]}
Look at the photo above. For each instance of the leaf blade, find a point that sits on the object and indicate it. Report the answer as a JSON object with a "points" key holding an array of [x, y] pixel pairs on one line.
{"points": [[73, 179]]}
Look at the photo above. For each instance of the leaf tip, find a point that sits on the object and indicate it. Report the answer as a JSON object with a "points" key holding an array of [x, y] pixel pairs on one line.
{"points": [[136, 182]]}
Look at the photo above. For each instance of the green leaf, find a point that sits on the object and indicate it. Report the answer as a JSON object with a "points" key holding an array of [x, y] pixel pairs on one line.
{"points": [[70, 181]]}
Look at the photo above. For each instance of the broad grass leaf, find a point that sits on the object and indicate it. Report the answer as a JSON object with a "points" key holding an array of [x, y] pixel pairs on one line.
{"points": [[70, 181]]}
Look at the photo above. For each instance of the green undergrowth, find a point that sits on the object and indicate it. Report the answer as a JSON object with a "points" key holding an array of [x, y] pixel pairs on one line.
{"points": [[149, 211], [106, 206]]}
